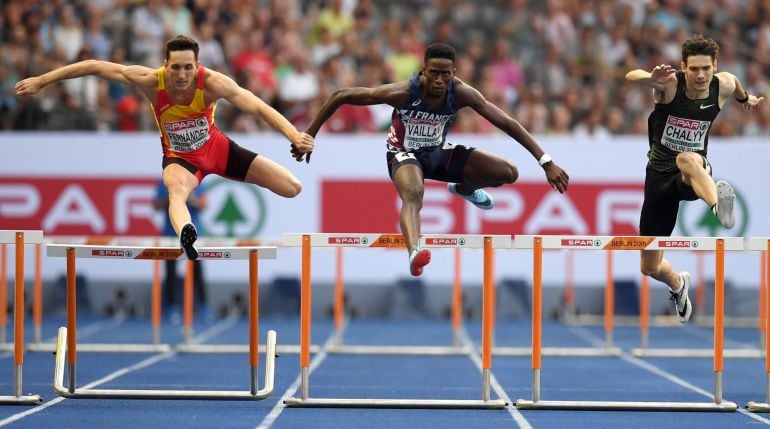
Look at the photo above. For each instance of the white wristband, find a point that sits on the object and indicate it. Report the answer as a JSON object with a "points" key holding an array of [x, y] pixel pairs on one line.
{"points": [[545, 159]]}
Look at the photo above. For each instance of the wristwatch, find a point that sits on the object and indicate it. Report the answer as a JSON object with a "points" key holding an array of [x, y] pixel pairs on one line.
{"points": [[545, 159]]}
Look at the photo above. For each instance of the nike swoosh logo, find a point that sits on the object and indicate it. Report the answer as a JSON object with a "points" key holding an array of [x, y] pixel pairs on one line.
{"points": [[684, 309], [706, 106]]}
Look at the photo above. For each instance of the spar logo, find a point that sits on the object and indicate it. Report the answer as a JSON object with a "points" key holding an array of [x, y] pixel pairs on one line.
{"points": [[110, 253], [214, 255], [233, 209], [580, 242], [184, 124], [696, 219], [348, 240], [445, 241], [685, 244]]}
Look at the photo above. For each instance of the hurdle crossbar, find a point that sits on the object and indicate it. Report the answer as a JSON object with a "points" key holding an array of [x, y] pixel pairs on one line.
{"points": [[762, 244], [307, 241], [67, 338], [538, 243], [19, 239]]}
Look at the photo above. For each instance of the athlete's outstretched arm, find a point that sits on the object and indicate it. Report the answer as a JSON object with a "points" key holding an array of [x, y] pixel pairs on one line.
{"points": [[469, 96], [729, 85], [103, 69], [662, 79], [224, 87], [393, 93]]}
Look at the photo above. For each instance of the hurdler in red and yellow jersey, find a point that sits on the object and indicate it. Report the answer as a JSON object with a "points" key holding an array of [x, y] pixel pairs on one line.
{"points": [[189, 133]]}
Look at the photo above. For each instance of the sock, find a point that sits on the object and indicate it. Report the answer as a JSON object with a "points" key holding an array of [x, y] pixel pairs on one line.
{"points": [[681, 285], [714, 209]]}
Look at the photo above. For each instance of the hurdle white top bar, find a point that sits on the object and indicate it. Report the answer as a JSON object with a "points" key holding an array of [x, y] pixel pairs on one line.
{"points": [[129, 252], [157, 241], [758, 243], [30, 236], [589, 242], [471, 241]]}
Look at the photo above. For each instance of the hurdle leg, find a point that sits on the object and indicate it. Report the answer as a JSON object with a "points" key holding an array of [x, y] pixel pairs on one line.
{"points": [[188, 302], [3, 292], [71, 318], [18, 315], [758, 406], [609, 301], [254, 320], [644, 312], [719, 294], [305, 315], [457, 299], [155, 302], [339, 299], [762, 299], [37, 294]]}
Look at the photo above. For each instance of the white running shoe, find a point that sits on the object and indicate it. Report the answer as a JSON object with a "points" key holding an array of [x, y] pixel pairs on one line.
{"points": [[681, 300], [725, 204], [480, 198]]}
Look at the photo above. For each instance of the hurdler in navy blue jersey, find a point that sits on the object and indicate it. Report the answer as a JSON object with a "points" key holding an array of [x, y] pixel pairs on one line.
{"points": [[424, 107], [686, 104]]}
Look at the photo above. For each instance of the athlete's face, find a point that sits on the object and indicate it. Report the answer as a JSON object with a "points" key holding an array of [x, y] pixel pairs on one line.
{"points": [[699, 69], [181, 68], [438, 73]]}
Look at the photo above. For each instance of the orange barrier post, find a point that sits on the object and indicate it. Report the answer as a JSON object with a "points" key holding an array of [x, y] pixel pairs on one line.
{"points": [[719, 309], [71, 320], [700, 286], [188, 300], [767, 319], [609, 300], [18, 307], [3, 291], [537, 317], [644, 311], [37, 294], [488, 311], [339, 296], [569, 283], [254, 319], [305, 308], [762, 293], [155, 302], [457, 298]]}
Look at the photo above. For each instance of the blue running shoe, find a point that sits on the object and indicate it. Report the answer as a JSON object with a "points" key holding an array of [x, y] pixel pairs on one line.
{"points": [[480, 198], [418, 259]]}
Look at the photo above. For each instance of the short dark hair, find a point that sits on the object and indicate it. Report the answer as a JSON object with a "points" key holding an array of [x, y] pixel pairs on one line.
{"points": [[182, 43], [440, 50], [699, 45]]}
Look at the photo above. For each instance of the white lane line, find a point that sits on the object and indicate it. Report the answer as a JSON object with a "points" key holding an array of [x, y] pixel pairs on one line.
{"points": [[597, 342], [272, 416], [118, 373], [519, 418]]}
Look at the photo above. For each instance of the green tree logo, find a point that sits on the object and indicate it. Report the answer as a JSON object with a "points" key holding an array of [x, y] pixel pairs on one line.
{"points": [[229, 214], [697, 219], [234, 209]]}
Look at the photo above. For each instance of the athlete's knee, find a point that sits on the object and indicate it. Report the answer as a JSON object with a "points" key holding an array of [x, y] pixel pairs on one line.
{"points": [[512, 173], [412, 193], [687, 161], [649, 268], [291, 188]]}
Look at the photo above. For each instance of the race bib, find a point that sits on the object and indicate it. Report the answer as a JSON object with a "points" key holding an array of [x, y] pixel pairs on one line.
{"points": [[423, 129], [187, 135], [685, 135]]}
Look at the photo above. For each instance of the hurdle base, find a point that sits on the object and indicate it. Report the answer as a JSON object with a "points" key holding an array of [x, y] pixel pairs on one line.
{"points": [[697, 353], [758, 407], [238, 349], [559, 351], [396, 403], [104, 348], [21, 400], [61, 390], [724, 406], [400, 350]]}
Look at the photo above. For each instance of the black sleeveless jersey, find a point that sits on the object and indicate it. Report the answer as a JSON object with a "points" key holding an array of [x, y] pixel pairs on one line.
{"points": [[681, 126]]}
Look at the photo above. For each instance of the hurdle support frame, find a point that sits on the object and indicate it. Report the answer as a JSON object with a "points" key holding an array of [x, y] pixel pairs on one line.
{"points": [[19, 239], [763, 244], [66, 346], [307, 241], [538, 243]]}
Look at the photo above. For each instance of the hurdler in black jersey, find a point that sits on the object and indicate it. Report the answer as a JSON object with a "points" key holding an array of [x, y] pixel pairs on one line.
{"points": [[681, 126], [686, 104]]}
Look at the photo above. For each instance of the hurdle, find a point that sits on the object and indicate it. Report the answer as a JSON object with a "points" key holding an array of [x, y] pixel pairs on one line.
{"points": [[538, 243], [67, 336], [762, 244], [19, 239], [307, 241]]}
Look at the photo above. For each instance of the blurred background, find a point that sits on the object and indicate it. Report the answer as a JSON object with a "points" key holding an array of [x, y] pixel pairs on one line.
{"points": [[82, 158], [557, 65]]}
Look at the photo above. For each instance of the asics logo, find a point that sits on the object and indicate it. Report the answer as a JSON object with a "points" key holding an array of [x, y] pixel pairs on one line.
{"points": [[416, 102], [702, 107]]}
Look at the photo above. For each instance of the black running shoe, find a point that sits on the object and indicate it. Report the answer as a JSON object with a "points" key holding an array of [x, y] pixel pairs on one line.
{"points": [[187, 239]]}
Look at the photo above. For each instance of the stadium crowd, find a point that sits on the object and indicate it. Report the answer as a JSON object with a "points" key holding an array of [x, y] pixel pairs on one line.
{"points": [[557, 66]]}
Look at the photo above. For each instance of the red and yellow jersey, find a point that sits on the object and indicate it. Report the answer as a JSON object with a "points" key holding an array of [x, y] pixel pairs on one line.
{"points": [[184, 129]]}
